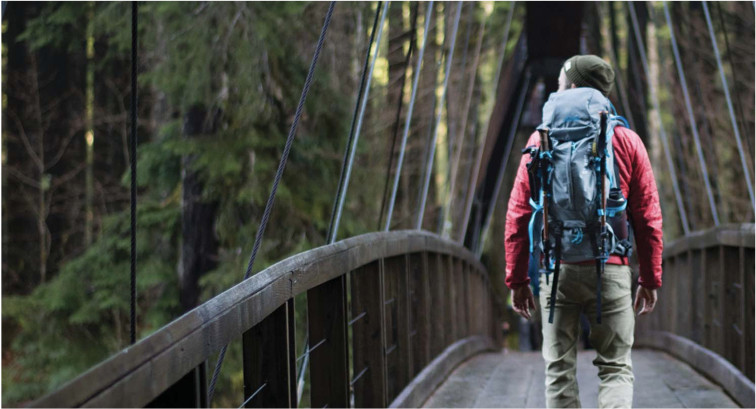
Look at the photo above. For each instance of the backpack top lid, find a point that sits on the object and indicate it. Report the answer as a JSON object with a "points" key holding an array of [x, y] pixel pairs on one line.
{"points": [[573, 114]]}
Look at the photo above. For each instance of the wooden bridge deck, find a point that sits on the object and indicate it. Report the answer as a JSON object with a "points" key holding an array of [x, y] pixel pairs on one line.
{"points": [[515, 379]]}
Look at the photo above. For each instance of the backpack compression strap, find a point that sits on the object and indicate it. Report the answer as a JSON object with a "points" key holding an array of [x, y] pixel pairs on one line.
{"points": [[557, 233]]}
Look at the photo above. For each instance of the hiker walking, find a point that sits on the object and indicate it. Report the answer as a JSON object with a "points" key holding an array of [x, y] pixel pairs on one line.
{"points": [[584, 188]]}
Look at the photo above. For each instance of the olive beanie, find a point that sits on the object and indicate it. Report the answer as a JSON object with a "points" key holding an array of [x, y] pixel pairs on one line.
{"points": [[590, 71]]}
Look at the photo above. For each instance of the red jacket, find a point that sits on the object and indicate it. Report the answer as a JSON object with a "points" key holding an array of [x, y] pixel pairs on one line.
{"points": [[638, 186]]}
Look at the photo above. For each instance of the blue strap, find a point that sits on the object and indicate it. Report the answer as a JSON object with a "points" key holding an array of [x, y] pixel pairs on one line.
{"points": [[534, 274], [611, 211], [620, 118], [536, 208]]}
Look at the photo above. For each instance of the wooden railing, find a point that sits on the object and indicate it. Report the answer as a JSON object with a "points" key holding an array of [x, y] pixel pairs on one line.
{"points": [[707, 297], [405, 296]]}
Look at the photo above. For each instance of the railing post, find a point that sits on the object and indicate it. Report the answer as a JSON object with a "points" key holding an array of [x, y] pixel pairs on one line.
{"points": [[437, 312], [459, 279], [748, 307], [450, 301], [329, 364], [267, 355], [697, 301], [465, 289], [421, 307], [733, 298], [405, 324], [721, 294], [397, 325], [369, 381]]}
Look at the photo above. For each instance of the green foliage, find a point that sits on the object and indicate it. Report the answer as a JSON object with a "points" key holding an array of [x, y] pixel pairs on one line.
{"points": [[75, 320], [248, 61], [55, 25]]}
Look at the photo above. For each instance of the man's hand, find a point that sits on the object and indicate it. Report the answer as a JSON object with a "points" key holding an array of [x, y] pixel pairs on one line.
{"points": [[645, 299], [522, 301]]}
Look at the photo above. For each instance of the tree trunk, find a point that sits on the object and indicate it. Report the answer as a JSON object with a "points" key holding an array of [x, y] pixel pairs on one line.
{"points": [[200, 247]]}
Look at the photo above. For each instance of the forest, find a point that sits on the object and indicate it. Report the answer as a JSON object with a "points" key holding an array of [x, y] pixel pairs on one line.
{"points": [[218, 87]]}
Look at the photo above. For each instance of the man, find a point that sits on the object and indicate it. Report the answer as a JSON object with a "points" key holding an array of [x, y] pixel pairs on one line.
{"points": [[576, 289]]}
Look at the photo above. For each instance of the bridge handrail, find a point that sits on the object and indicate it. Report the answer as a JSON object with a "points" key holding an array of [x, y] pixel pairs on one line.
{"points": [[735, 235], [140, 373], [707, 298]]}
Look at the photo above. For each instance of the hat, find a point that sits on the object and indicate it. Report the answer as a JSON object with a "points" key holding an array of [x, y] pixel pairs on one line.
{"points": [[590, 71]]}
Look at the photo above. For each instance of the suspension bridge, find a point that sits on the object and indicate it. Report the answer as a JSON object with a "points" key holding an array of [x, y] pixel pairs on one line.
{"points": [[409, 318]]}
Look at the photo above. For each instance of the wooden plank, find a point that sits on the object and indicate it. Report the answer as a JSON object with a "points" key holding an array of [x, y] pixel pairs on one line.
{"points": [[733, 235], [439, 369], [684, 288], [397, 325], [459, 290], [697, 296], [741, 290], [266, 355], [712, 365], [711, 303], [435, 274], [420, 311], [719, 325], [329, 362], [369, 380], [405, 329], [733, 300], [291, 322], [450, 301], [748, 306], [465, 289]]}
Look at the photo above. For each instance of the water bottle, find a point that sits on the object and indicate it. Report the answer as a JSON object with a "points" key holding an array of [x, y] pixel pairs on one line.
{"points": [[618, 221]]}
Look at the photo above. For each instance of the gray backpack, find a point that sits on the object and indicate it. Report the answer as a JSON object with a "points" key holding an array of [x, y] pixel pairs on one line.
{"points": [[565, 180]]}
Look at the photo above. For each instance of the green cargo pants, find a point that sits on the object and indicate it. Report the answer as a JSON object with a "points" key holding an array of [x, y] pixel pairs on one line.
{"points": [[612, 339]]}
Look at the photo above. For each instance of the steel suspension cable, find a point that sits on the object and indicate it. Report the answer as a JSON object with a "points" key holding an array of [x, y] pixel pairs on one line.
{"points": [[133, 157], [415, 81], [277, 179], [662, 131], [431, 156], [484, 133], [691, 117], [461, 132], [618, 78], [354, 132], [497, 77], [504, 161], [736, 89], [397, 118], [726, 89]]}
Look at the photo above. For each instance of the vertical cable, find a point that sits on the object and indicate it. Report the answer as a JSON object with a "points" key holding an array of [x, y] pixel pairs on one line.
{"points": [[133, 165], [400, 105], [279, 174], [429, 164], [409, 115], [618, 78], [662, 131], [736, 89], [344, 184], [726, 88], [691, 118], [470, 195], [461, 133]]}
